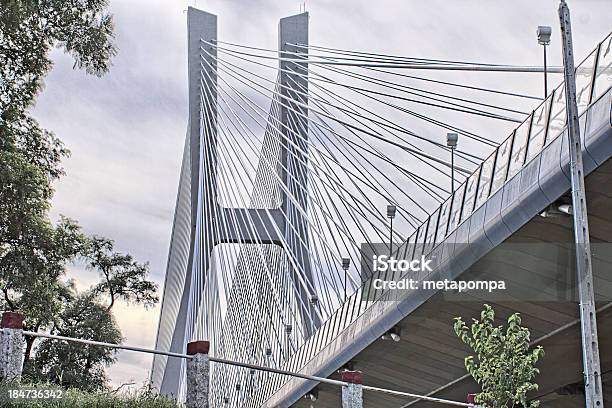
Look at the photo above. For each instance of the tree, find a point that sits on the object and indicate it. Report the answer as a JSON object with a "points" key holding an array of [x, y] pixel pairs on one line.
{"points": [[504, 365], [121, 276], [89, 317], [85, 316], [33, 259], [29, 29], [34, 253], [77, 365]]}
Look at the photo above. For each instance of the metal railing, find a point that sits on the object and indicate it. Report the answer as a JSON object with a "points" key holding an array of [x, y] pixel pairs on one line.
{"points": [[240, 364]]}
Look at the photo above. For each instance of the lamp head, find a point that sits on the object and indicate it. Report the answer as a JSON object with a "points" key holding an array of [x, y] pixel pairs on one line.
{"points": [[451, 140], [393, 334], [312, 395], [544, 33], [391, 209]]}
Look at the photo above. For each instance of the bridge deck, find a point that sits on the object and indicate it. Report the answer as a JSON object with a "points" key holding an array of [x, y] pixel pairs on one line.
{"points": [[430, 356]]}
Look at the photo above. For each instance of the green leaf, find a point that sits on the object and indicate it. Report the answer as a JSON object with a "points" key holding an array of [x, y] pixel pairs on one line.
{"points": [[503, 364]]}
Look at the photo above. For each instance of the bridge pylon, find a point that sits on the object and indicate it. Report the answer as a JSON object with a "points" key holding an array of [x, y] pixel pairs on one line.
{"points": [[283, 224]]}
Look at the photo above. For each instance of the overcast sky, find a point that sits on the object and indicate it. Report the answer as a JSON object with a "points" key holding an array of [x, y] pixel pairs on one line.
{"points": [[126, 130]]}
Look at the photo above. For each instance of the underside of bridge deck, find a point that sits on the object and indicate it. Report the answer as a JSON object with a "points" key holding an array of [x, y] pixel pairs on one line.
{"points": [[430, 357]]}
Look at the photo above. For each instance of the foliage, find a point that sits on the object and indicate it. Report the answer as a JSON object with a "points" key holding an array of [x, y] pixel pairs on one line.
{"points": [[34, 252], [29, 29], [75, 398], [78, 365], [122, 277], [32, 262], [504, 365]]}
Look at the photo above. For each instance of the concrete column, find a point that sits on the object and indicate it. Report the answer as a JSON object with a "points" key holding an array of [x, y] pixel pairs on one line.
{"points": [[200, 26], [198, 374], [352, 395], [293, 110], [11, 344]]}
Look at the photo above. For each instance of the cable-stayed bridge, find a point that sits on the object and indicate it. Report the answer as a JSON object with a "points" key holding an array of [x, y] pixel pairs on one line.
{"points": [[291, 158]]}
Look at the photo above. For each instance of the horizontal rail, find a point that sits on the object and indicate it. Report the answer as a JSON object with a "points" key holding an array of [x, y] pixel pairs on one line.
{"points": [[103, 344], [279, 371], [420, 397]]}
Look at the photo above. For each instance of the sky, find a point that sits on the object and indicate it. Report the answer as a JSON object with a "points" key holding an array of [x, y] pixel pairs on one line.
{"points": [[126, 130]]}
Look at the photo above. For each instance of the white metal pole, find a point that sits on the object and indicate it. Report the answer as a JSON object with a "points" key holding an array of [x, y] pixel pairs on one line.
{"points": [[590, 346]]}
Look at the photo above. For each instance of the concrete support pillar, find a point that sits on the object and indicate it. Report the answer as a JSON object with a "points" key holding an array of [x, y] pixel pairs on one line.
{"points": [[198, 367], [11, 344], [352, 394], [293, 78], [202, 84]]}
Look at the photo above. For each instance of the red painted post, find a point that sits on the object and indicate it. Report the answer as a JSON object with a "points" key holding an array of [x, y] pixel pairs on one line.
{"points": [[352, 394], [198, 368], [11, 346]]}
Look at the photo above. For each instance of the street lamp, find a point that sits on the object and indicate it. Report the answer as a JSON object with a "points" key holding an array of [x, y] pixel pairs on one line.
{"points": [[451, 142], [288, 330], [346, 262], [268, 356], [251, 378], [314, 301], [391, 209], [544, 33]]}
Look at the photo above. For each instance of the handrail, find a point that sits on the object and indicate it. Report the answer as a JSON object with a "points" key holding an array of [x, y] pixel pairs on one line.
{"points": [[246, 365]]}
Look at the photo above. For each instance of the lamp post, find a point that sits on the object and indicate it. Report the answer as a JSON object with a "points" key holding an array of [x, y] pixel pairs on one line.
{"points": [[391, 209], [544, 33], [451, 142], [268, 357], [346, 262], [314, 301], [288, 330]]}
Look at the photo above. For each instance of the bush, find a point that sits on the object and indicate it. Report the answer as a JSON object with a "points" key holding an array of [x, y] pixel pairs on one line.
{"points": [[504, 363], [74, 398]]}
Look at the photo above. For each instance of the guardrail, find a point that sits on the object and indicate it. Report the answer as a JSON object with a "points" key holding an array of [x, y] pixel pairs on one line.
{"points": [[198, 361]]}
